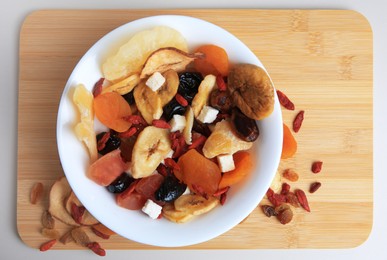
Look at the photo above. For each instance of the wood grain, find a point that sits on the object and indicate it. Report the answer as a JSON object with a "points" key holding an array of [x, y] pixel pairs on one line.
{"points": [[322, 59]]}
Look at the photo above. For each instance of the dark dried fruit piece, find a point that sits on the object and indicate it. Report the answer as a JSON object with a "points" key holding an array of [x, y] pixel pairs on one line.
{"points": [[297, 122], [80, 237], [221, 100], [285, 101], [106, 142], [36, 193], [316, 166], [120, 184], [246, 128], [66, 238], [284, 213], [268, 210], [170, 189], [314, 187]]}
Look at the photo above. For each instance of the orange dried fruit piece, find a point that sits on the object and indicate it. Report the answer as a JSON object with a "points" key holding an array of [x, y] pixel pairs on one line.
{"points": [[199, 173], [215, 61], [289, 146], [224, 141], [111, 109], [243, 165]]}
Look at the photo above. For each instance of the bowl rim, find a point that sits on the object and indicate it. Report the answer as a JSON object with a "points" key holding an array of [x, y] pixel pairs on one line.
{"points": [[275, 119]]}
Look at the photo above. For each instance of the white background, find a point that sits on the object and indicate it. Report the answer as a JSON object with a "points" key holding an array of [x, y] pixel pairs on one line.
{"points": [[12, 15]]}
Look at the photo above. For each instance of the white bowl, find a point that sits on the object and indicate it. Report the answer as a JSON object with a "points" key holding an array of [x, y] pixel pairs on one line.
{"points": [[242, 199]]}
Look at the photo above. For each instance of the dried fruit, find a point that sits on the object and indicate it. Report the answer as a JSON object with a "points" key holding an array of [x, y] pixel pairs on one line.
{"points": [[170, 213], [268, 210], [314, 187], [195, 204], [97, 89], [244, 164], [285, 101], [284, 213], [36, 193], [290, 174], [80, 237], [246, 127], [289, 146], [203, 96], [47, 220], [302, 199], [215, 60], [297, 122], [50, 233], [168, 58], [149, 103], [124, 86], [66, 238], [132, 55], [251, 90], [316, 166], [103, 229], [96, 248], [47, 245], [189, 121], [161, 124]]}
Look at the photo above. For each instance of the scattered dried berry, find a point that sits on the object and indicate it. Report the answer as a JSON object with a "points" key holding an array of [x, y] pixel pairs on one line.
{"points": [[36, 193], [291, 198], [302, 199], [284, 213], [290, 174], [66, 238], [314, 187], [297, 122], [285, 188], [96, 248], [77, 212], [46, 246], [80, 237], [316, 166], [285, 101], [100, 234], [268, 210]]}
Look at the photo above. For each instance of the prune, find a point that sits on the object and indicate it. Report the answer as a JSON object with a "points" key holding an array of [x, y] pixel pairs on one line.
{"points": [[129, 98], [188, 84], [170, 189], [121, 183], [172, 108], [246, 128], [201, 128], [111, 144]]}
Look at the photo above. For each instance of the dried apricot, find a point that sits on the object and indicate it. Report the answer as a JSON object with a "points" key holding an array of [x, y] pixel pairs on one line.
{"points": [[243, 166], [289, 147], [111, 109], [215, 61]]}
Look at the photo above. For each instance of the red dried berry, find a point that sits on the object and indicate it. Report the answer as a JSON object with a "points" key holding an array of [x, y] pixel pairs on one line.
{"points": [[221, 191], [285, 101], [97, 89], [181, 100], [161, 124], [96, 248], [302, 199], [169, 162], [317, 166], [99, 233], [130, 132], [77, 212], [297, 122], [220, 82], [102, 142], [198, 142], [135, 119], [314, 187], [46, 246]]}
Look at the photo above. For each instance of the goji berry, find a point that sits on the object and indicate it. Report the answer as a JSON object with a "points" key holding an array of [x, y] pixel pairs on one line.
{"points": [[285, 101], [99, 233], [97, 89], [46, 246], [285, 188], [220, 82], [130, 132], [302, 199], [316, 166], [181, 100], [314, 186], [135, 119], [169, 162], [102, 142], [197, 142], [77, 212], [221, 191], [223, 198], [161, 124], [96, 248], [297, 122]]}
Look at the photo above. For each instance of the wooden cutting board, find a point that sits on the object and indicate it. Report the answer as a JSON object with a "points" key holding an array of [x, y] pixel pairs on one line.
{"points": [[322, 59]]}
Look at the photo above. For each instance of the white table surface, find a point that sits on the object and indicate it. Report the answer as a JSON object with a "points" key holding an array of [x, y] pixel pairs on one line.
{"points": [[12, 15]]}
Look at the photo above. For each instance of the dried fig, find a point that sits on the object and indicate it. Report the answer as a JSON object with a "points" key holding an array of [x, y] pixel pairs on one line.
{"points": [[251, 90]]}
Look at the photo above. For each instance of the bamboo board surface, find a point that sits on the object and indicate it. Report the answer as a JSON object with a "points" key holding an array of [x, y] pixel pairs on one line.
{"points": [[322, 59]]}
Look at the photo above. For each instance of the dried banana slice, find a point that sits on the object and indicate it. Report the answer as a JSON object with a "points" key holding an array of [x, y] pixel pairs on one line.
{"points": [[195, 204], [203, 95], [148, 102], [124, 86], [169, 89], [152, 146], [189, 119], [170, 213]]}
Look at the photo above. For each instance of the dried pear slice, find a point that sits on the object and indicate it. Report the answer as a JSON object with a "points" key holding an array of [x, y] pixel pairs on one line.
{"points": [[151, 147], [195, 204], [203, 95], [132, 55], [168, 58], [59, 192], [148, 103], [124, 86], [87, 219]]}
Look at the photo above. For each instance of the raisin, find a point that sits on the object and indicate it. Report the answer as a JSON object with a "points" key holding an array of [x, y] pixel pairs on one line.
{"points": [[112, 143], [170, 189], [188, 84], [121, 183], [172, 108]]}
